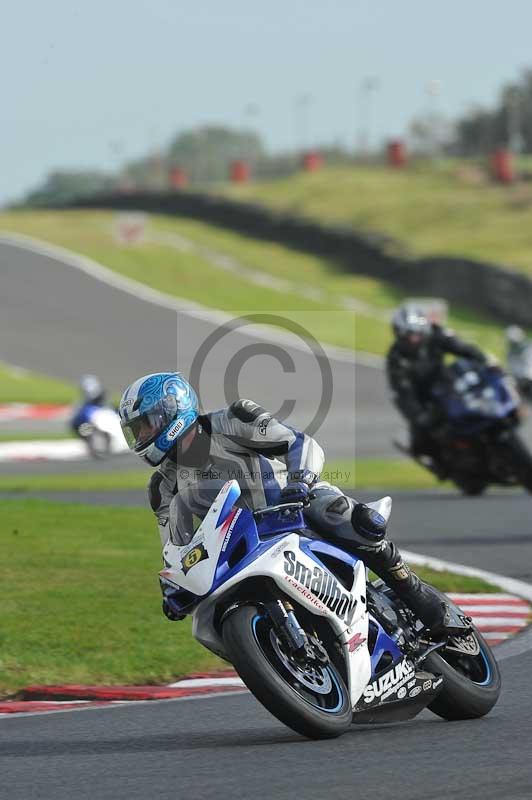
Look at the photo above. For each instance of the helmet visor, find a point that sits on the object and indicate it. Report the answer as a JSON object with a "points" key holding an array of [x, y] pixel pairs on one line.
{"points": [[141, 431]]}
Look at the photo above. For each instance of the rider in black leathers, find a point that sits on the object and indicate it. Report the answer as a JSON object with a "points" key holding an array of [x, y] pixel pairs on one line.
{"points": [[414, 363]]}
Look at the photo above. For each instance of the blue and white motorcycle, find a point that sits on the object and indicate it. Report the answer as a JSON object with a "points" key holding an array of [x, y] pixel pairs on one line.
{"points": [[317, 643], [99, 427], [478, 443]]}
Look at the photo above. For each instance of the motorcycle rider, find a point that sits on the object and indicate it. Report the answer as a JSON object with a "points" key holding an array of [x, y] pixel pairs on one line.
{"points": [[414, 362], [516, 341], [197, 453], [519, 359]]}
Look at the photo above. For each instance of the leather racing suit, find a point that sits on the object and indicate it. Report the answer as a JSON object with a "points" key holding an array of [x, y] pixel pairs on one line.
{"points": [[411, 375]]}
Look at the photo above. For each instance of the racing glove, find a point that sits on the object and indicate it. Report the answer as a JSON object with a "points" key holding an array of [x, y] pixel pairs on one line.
{"points": [[295, 492], [297, 489]]}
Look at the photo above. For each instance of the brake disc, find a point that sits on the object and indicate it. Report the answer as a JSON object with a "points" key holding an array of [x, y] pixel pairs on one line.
{"points": [[312, 676]]}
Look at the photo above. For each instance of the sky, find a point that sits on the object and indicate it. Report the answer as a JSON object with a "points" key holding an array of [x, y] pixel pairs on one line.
{"points": [[88, 85]]}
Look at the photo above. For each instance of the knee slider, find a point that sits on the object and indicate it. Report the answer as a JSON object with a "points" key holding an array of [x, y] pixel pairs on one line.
{"points": [[338, 506], [368, 523]]}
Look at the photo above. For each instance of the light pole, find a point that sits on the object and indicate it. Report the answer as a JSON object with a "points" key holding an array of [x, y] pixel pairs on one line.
{"points": [[301, 121], [249, 113], [513, 112], [367, 89], [116, 147], [434, 90]]}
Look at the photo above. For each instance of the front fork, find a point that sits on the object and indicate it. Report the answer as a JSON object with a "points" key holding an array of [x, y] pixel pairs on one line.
{"points": [[295, 640]]}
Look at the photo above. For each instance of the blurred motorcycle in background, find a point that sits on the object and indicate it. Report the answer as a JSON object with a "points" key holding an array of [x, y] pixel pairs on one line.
{"points": [[474, 441], [96, 422]]}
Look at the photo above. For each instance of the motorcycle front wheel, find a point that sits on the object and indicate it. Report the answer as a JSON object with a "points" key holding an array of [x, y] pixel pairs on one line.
{"points": [[312, 699], [521, 460]]}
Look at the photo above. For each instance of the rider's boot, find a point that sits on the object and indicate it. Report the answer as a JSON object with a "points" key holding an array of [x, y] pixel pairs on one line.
{"points": [[421, 598]]}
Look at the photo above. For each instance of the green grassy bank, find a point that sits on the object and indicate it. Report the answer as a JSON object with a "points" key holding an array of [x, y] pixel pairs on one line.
{"points": [[80, 599]]}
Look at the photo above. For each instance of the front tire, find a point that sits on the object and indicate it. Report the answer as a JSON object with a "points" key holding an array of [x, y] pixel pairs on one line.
{"points": [[314, 704], [521, 460], [471, 684], [99, 444]]}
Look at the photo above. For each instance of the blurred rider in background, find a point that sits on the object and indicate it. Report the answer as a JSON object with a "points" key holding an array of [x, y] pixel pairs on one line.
{"points": [[519, 359], [516, 341], [92, 390], [197, 453], [414, 363]]}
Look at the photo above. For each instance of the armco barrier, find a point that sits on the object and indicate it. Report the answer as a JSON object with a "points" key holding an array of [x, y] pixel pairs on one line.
{"points": [[502, 293]]}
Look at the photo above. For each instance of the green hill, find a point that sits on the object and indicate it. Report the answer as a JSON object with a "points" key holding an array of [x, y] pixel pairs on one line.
{"points": [[449, 209]]}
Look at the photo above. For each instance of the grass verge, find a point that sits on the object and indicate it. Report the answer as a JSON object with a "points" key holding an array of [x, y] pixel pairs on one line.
{"points": [[89, 575], [95, 614], [28, 436], [364, 474], [21, 386]]}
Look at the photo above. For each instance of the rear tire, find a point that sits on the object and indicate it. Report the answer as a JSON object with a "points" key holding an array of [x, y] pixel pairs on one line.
{"points": [[470, 486], [462, 697], [250, 644]]}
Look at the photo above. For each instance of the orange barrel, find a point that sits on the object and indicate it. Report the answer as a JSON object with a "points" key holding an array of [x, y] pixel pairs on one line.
{"points": [[312, 161], [240, 171], [177, 177], [397, 156], [502, 165]]}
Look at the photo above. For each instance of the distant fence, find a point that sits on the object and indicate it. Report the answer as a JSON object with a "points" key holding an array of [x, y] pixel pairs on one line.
{"points": [[502, 293]]}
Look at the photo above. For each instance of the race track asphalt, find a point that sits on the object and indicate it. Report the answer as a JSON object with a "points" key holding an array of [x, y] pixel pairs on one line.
{"points": [[230, 746], [60, 321]]}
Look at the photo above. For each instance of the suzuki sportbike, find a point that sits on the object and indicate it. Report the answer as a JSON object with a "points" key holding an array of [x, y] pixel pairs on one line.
{"points": [[316, 643], [476, 443]]}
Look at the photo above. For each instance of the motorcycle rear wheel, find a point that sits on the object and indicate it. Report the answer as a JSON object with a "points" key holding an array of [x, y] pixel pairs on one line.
{"points": [[471, 487], [314, 703], [471, 684]]}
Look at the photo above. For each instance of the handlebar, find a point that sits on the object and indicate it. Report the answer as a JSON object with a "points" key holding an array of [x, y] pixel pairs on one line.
{"points": [[297, 506]]}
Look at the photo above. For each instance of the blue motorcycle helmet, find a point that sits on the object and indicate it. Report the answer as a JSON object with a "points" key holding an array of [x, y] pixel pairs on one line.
{"points": [[156, 411]]}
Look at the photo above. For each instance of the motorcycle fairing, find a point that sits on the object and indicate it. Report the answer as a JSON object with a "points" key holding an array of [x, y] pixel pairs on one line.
{"points": [[203, 568], [473, 397]]}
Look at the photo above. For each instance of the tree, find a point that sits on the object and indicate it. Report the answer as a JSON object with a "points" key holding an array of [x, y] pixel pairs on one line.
{"points": [[206, 153], [481, 130], [61, 186]]}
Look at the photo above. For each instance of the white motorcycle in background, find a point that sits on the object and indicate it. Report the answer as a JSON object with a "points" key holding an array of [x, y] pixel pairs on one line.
{"points": [[99, 427]]}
